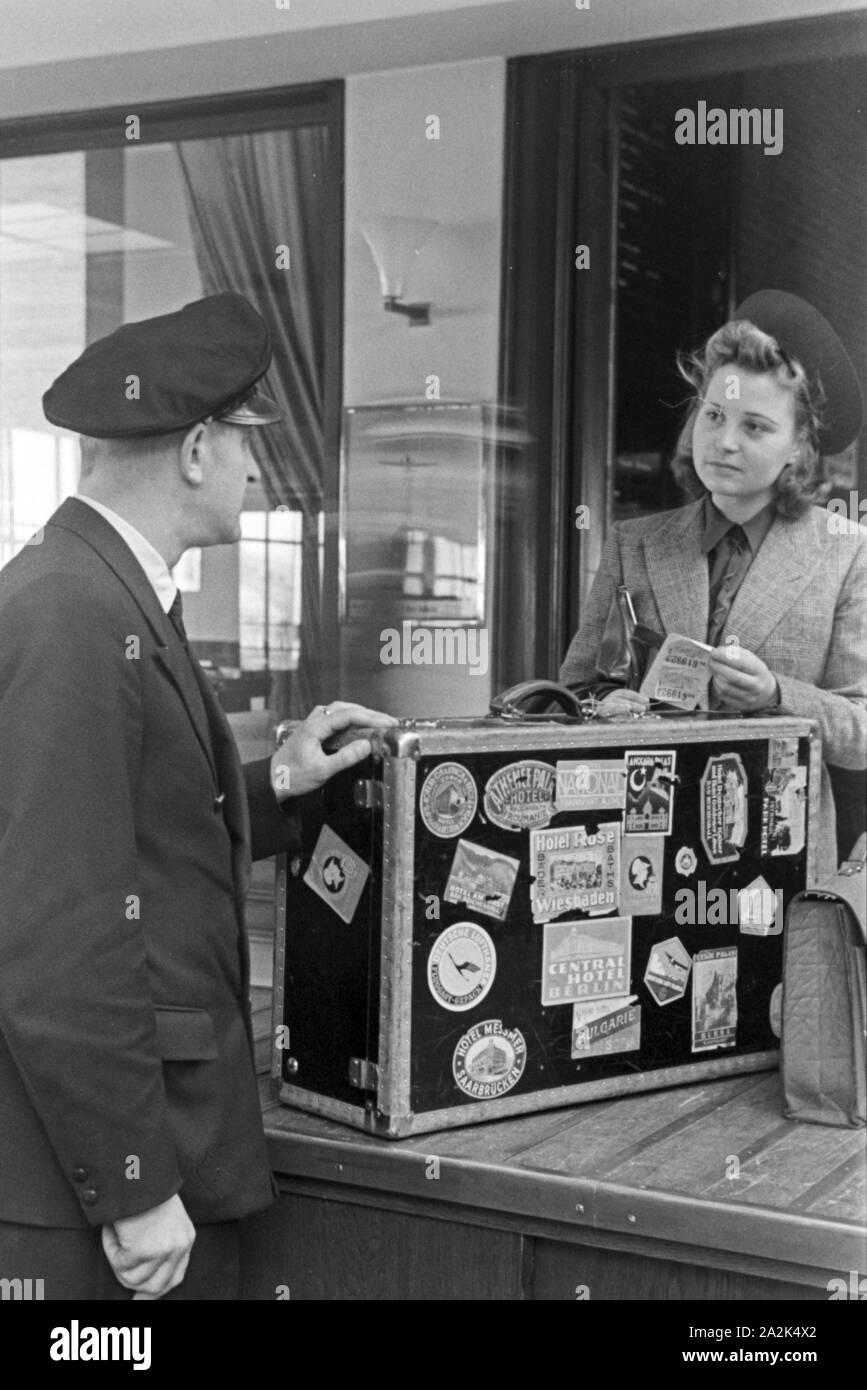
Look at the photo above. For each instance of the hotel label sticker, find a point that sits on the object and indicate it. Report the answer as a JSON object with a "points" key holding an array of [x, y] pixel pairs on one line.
{"points": [[489, 1060], [616, 1028], [714, 999], [598, 784], [784, 811], [461, 966], [520, 796], [641, 875], [650, 783], [685, 861], [336, 874], [724, 808], [782, 752], [586, 961], [667, 972], [760, 910], [482, 879], [574, 871], [448, 799]]}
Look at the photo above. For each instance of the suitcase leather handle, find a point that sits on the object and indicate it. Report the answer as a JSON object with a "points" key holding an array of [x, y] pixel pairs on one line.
{"points": [[531, 698]]}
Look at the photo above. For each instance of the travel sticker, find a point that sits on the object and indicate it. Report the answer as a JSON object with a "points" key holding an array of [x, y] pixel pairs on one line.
{"points": [[489, 1060], [584, 961], [782, 752], [714, 999], [760, 909], [685, 861], [482, 879], [520, 795], [461, 966], [724, 808], [448, 799], [784, 811], [595, 785], [668, 970], [574, 871], [336, 874], [650, 783], [601, 1029], [641, 875]]}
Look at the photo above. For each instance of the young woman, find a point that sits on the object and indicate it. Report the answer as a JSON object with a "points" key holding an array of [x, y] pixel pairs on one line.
{"points": [[776, 584]]}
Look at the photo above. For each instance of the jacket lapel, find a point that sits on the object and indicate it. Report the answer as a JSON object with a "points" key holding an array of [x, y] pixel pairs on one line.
{"points": [[231, 779], [677, 572], [86, 523], [779, 573]]}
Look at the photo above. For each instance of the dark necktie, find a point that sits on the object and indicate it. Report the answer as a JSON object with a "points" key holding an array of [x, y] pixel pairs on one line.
{"points": [[730, 562], [176, 617]]}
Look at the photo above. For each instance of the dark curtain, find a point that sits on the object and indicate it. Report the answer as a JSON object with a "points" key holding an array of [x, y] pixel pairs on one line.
{"points": [[252, 199]]}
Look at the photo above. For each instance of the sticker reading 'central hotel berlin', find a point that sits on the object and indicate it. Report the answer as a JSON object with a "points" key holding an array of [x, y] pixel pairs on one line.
{"points": [[574, 871], [582, 961]]}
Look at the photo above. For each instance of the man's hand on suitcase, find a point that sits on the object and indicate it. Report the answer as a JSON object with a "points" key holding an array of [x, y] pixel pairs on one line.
{"points": [[301, 765], [149, 1253], [741, 679]]}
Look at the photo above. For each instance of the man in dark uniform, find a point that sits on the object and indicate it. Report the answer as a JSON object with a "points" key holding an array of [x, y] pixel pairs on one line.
{"points": [[130, 1124]]}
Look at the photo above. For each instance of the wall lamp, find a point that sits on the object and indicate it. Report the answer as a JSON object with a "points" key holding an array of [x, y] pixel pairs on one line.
{"points": [[395, 243]]}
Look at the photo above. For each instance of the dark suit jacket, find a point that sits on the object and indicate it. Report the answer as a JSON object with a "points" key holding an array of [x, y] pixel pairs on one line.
{"points": [[802, 608], [125, 1049]]}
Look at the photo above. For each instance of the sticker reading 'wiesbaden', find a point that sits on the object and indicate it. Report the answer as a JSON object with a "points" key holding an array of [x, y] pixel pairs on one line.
{"points": [[336, 874], [641, 875], [601, 1029], [723, 801], [489, 1060], [784, 811], [482, 879], [650, 783], [574, 871], [520, 795], [448, 799], [461, 966], [584, 961], [595, 785], [714, 999]]}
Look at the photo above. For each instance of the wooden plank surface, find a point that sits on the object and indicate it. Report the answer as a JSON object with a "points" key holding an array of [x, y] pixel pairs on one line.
{"points": [[712, 1164]]}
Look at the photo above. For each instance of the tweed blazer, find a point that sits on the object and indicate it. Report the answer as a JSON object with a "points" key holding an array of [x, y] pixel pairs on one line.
{"points": [[802, 608], [127, 826]]}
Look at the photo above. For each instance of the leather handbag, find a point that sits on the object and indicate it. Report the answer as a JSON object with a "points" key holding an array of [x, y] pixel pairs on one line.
{"points": [[824, 1013]]}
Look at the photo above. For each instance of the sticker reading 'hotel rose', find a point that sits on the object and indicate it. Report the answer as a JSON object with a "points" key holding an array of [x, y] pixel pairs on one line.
{"points": [[584, 961], [574, 870]]}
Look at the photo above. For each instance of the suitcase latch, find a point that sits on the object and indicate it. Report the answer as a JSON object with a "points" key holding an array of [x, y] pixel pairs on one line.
{"points": [[367, 794], [363, 1074]]}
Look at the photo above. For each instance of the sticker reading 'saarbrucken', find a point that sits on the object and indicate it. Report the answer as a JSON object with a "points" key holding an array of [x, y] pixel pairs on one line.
{"points": [[574, 870], [784, 811], [520, 796], [336, 874], [482, 879], [760, 909], [595, 785], [584, 961], [668, 970], [598, 1030], [489, 1060], [461, 966], [714, 999], [650, 783], [448, 799], [641, 875], [723, 803]]}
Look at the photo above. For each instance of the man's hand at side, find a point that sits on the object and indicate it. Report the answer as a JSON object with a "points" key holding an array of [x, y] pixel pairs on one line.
{"points": [[149, 1253], [301, 766]]}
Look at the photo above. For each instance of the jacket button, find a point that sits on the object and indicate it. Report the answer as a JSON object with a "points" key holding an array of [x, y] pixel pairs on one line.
{"points": [[80, 1175], [90, 1196]]}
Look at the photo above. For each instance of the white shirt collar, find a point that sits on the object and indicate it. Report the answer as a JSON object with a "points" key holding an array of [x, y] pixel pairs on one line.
{"points": [[150, 559]]}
